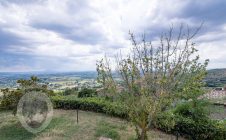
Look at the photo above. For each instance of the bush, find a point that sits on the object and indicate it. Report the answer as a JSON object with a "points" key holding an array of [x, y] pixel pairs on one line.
{"points": [[166, 121], [192, 122], [195, 130], [204, 129], [86, 92], [11, 97], [72, 91], [90, 104], [196, 110]]}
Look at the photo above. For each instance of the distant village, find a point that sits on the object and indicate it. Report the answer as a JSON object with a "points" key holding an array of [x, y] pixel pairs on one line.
{"points": [[78, 84], [217, 95]]}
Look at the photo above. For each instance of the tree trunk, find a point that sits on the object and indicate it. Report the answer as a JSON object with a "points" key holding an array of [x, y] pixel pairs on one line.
{"points": [[143, 135]]}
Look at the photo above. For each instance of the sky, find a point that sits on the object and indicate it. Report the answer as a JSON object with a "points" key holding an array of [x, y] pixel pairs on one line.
{"points": [[70, 35]]}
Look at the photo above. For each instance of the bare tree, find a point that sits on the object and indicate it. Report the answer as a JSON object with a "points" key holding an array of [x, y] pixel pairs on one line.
{"points": [[157, 75]]}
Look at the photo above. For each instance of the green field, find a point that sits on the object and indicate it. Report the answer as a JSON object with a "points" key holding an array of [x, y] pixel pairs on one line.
{"points": [[91, 126]]}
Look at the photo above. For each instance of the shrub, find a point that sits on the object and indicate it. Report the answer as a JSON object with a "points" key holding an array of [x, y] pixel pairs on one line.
{"points": [[90, 104], [72, 91], [86, 92], [204, 129], [192, 122], [196, 110], [191, 129], [166, 121], [11, 97]]}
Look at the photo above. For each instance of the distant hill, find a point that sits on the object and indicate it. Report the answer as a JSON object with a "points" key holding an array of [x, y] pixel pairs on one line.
{"points": [[8, 79], [216, 78], [216, 73]]}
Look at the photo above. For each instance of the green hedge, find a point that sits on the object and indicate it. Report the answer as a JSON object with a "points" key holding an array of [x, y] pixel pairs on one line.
{"points": [[197, 130], [90, 104], [206, 129]]}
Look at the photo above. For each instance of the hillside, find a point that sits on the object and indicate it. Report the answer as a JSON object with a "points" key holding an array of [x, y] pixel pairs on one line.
{"points": [[216, 78], [216, 73]]}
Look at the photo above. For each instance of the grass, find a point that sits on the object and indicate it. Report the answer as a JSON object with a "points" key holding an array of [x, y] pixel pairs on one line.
{"points": [[107, 130], [221, 100], [10, 128], [217, 112], [63, 126]]}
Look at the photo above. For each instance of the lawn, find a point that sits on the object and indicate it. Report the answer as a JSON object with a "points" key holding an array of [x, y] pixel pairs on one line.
{"points": [[63, 126], [221, 100], [217, 112]]}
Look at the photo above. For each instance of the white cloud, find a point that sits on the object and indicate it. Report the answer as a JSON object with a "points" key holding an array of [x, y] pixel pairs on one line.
{"points": [[79, 32]]}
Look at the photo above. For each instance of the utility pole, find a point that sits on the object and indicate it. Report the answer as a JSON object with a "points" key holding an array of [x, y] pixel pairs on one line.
{"points": [[77, 116]]}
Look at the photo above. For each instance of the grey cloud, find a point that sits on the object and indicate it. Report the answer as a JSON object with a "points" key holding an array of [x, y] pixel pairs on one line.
{"points": [[210, 11], [8, 39], [81, 23]]}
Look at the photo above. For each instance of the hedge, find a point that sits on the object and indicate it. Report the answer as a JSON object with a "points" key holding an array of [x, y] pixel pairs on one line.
{"points": [[197, 130], [206, 129], [90, 104]]}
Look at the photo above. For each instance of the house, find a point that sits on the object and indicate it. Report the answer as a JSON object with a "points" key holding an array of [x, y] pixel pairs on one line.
{"points": [[219, 89]]}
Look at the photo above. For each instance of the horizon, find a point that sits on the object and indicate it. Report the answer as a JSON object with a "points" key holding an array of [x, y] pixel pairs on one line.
{"points": [[65, 36], [58, 72]]}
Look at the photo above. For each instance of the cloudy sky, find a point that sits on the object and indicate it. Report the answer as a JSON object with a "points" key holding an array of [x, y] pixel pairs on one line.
{"points": [[70, 35]]}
